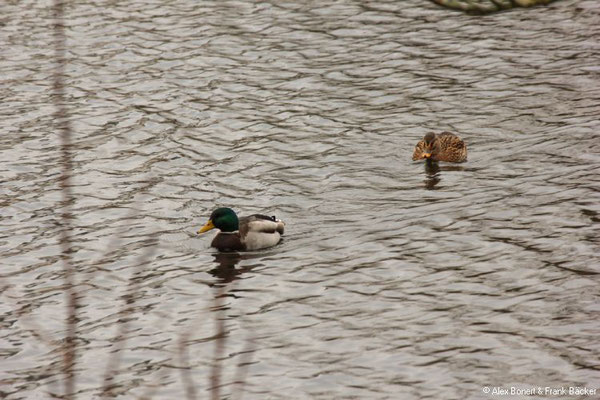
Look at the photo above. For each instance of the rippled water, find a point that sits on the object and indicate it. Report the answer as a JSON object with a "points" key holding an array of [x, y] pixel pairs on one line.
{"points": [[393, 281]]}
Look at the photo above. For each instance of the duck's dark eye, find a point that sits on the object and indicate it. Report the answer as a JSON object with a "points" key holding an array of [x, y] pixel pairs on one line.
{"points": [[274, 218]]}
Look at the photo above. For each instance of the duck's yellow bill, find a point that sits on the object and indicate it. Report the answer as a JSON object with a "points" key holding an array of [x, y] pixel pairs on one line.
{"points": [[207, 227], [426, 155]]}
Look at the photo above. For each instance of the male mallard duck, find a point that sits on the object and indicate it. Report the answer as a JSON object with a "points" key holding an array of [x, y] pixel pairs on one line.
{"points": [[249, 233], [443, 147]]}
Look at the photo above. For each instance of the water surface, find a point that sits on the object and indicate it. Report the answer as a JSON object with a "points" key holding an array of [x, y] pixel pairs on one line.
{"points": [[393, 281]]}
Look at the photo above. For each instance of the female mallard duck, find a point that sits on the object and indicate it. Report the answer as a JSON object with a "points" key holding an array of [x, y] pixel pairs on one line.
{"points": [[443, 147], [249, 233]]}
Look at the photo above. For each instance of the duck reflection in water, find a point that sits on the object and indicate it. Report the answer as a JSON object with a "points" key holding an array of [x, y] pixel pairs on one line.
{"points": [[226, 269], [432, 171]]}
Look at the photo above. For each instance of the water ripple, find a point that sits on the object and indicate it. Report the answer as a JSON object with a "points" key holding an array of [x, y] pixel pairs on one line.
{"points": [[394, 280]]}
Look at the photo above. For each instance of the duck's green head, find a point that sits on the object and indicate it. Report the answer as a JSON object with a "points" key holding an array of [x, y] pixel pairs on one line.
{"points": [[224, 219]]}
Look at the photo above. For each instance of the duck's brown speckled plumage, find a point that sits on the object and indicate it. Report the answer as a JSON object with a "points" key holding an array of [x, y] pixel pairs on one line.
{"points": [[445, 146]]}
